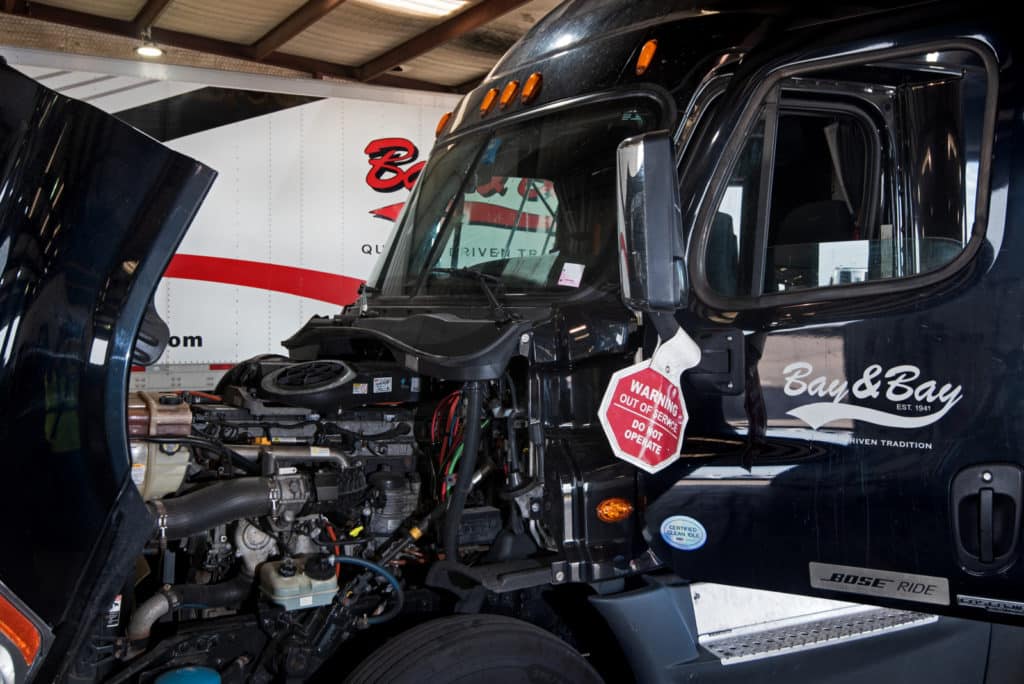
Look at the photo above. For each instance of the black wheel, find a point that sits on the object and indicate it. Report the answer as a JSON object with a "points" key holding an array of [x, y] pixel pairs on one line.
{"points": [[475, 648]]}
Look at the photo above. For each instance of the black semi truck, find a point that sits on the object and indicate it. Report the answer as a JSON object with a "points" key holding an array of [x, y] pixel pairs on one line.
{"points": [[724, 293]]}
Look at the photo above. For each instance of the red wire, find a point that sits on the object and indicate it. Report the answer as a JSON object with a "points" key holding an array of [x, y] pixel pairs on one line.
{"points": [[337, 549], [201, 395]]}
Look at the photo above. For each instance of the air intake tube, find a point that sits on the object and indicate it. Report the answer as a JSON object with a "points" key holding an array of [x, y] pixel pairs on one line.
{"points": [[217, 504], [170, 598]]}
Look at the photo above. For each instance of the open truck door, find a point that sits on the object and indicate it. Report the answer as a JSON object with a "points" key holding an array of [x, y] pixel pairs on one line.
{"points": [[854, 284]]}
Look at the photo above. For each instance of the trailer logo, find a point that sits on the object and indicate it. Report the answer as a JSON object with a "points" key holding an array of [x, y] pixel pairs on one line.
{"points": [[916, 403], [388, 158]]}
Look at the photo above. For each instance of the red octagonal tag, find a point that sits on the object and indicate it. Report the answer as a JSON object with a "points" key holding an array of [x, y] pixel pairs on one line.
{"points": [[643, 412]]}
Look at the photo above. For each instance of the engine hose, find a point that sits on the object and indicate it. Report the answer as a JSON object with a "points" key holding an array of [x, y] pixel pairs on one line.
{"points": [[229, 593], [217, 504], [236, 459], [396, 606], [467, 464]]}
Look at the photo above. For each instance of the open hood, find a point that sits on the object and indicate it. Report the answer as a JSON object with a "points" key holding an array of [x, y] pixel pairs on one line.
{"points": [[91, 211]]}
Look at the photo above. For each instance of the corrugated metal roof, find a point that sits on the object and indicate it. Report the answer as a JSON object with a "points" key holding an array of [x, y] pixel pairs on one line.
{"points": [[115, 9], [336, 38], [355, 33], [236, 21]]}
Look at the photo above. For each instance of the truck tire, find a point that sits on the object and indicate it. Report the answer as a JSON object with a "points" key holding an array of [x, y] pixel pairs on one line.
{"points": [[475, 648]]}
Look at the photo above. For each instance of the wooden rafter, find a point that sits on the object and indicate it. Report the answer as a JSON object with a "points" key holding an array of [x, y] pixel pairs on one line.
{"points": [[297, 22], [189, 41], [149, 13], [460, 24]]}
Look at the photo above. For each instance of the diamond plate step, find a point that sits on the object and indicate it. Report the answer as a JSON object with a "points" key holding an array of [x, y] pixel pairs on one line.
{"points": [[788, 636]]}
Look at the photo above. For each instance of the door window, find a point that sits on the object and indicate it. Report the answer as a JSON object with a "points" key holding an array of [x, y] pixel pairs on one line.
{"points": [[868, 175]]}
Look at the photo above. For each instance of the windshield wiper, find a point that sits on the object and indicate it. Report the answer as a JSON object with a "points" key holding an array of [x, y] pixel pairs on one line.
{"points": [[501, 314]]}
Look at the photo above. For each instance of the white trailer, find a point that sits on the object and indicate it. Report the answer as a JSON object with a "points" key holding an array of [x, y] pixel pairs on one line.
{"points": [[311, 176]]}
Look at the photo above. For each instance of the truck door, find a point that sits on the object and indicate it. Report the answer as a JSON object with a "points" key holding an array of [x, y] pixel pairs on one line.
{"points": [[852, 227]]}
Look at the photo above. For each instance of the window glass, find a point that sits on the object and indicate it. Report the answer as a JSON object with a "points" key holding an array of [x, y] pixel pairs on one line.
{"points": [[731, 248], [530, 205], [819, 231], [852, 176]]}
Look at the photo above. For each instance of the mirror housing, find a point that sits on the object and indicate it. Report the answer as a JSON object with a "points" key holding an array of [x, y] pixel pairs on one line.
{"points": [[650, 230]]}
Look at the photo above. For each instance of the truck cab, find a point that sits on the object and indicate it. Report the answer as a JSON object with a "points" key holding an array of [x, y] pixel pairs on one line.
{"points": [[800, 220]]}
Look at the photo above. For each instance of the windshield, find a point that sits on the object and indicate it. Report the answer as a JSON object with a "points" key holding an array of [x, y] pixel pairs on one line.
{"points": [[531, 204]]}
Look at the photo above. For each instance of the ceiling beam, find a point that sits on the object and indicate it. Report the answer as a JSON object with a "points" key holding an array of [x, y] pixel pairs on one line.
{"points": [[149, 13], [460, 24], [297, 22], [189, 41]]}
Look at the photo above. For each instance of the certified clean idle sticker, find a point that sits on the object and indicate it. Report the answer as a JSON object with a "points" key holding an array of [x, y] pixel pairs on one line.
{"points": [[869, 582], [683, 532]]}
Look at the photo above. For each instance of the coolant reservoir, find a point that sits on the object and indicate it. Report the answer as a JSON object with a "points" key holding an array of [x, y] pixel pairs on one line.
{"points": [[293, 586], [157, 469]]}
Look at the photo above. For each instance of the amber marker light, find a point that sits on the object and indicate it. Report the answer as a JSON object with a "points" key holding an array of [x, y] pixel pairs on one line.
{"points": [[20, 631], [614, 510], [509, 93], [445, 118], [532, 87], [646, 56], [489, 97]]}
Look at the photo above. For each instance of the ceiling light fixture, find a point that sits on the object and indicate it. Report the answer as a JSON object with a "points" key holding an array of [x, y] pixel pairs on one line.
{"points": [[149, 49], [423, 8]]}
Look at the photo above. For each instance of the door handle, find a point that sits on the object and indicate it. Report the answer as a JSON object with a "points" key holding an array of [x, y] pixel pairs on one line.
{"points": [[985, 509], [986, 552]]}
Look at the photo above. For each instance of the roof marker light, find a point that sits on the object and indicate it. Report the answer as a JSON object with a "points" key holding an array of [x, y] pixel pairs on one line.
{"points": [[445, 118], [508, 93], [532, 87], [646, 56], [489, 98]]}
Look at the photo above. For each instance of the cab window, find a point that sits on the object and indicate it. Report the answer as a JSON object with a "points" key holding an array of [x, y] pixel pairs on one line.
{"points": [[855, 176]]}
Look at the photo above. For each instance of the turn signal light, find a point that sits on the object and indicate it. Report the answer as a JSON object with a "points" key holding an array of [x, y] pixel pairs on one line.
{"points": [[532, 87], [509, 93], [614, 510], [20, 631], [489, 97], [646, 56], [442, 123]]}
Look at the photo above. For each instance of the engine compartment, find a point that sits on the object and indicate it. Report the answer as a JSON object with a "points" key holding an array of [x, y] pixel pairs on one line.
{"points": [[301, 503]]}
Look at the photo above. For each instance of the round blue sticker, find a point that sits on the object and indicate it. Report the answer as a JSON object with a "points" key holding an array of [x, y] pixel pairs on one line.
{"points": [[683, 532]]}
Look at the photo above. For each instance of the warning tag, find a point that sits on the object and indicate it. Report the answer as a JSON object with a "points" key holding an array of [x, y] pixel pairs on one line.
{"points": [[643, 412]]}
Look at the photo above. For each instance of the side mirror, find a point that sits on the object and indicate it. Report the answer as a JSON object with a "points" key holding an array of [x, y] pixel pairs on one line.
{"points": [[650, 231]]}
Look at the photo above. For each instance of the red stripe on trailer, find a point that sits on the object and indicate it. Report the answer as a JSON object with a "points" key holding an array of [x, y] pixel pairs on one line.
{"points": [[221, 366], [390, 212], [325, 287], [138, 369], [502, 217]]}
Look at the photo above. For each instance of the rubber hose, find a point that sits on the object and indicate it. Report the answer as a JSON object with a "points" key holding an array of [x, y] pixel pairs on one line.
{"points": [[217, 504], [214, 595], [237, 460], [146, 615], [228, 593], [467, 465], [396, 606]]}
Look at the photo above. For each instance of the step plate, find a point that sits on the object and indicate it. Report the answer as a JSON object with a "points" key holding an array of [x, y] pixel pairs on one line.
{"points": [[773, 639]]}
